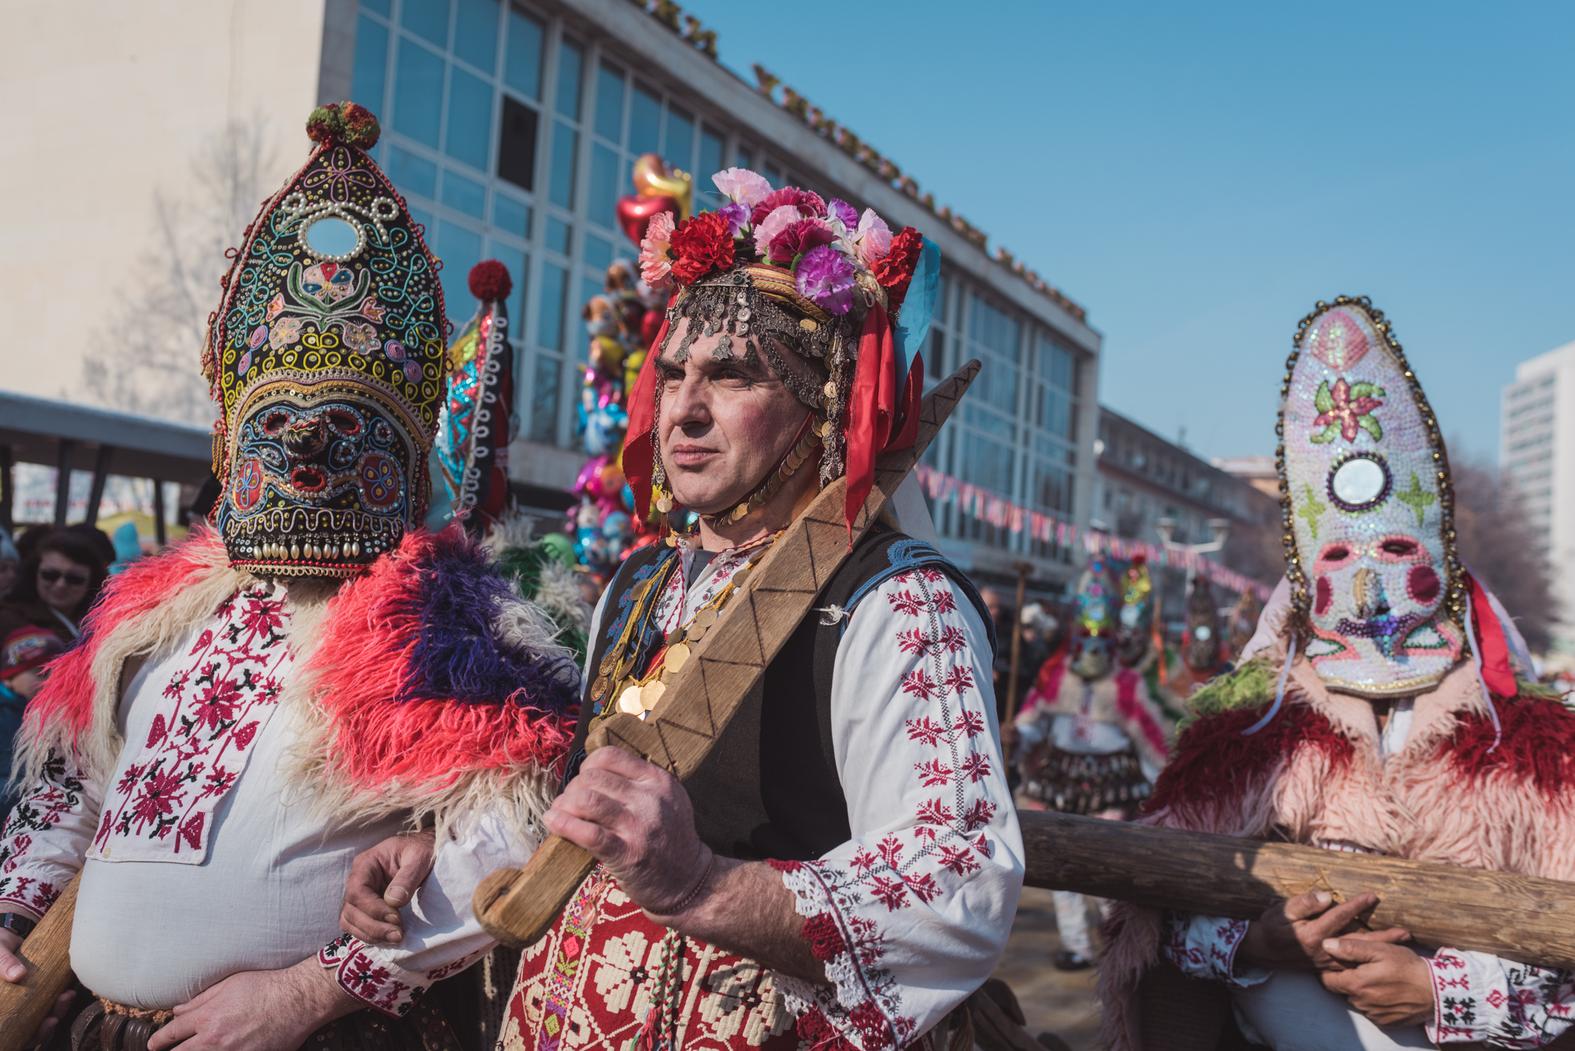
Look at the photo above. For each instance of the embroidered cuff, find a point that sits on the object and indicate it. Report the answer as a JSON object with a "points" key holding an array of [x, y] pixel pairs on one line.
{"points": [[1206, 947], [27, 894], [374, 982], [846, 1008], [1459, 1017]]}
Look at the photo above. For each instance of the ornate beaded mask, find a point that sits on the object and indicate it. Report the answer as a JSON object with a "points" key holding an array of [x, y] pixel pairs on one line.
{"points": [[1137, 615], [1094, 636], [1368, 508], [326, 356], [1200, 646]]}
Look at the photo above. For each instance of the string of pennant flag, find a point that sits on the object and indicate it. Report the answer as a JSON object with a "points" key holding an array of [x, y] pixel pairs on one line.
{"points": [[971, 500]]}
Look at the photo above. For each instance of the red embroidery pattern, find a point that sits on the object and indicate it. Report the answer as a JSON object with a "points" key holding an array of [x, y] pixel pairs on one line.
{"points": [[57, 793], [364, 977], [1480, 998], [844, 904], [197, 747]]}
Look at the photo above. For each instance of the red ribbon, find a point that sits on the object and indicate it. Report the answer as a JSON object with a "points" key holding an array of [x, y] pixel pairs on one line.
{"points": [[639, 455], [1497, 671], [883, 408]]}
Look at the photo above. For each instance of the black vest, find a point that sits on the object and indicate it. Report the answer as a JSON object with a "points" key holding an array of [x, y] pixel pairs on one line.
{"points": [[769, 787]]}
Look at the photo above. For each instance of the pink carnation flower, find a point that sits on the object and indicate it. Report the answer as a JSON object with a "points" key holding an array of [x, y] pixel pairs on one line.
{"points": [[797, 239], [774, 223], [741, 186], [872, 240], [654, 262]]}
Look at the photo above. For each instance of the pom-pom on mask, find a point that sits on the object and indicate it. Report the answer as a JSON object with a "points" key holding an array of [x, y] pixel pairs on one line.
{"points": [[326, 357], [1368, 508]]}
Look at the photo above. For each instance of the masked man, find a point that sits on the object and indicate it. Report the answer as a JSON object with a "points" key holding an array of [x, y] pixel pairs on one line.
{"points": [[1201, 655], [846, 864], [250, 709], [1092, 745], [1382, 715]]}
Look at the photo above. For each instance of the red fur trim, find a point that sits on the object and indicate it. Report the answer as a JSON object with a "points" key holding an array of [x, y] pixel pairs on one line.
{"points": [[1538, 743], [68, 691], [364, 661], [1214, 762]]}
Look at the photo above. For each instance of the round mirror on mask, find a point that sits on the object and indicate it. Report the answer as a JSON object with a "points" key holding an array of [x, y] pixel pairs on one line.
{"points": [[332, 237], [1359, 482]]}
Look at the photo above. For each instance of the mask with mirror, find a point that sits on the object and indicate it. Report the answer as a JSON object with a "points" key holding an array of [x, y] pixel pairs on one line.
{"points": [[1097, 611], [1368, 509]]}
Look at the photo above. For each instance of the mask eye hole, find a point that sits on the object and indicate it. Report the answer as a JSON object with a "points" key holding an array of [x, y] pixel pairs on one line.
{"points": [[275, 422], [1398, 547], [343, 421], [1334, 554]]}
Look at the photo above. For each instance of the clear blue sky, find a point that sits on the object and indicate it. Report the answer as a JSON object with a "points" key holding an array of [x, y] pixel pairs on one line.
{"points": [[1198, 175]]}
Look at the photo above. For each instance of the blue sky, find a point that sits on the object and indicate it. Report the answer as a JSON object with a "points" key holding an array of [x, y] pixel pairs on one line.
{"points": [[1198, 175]]}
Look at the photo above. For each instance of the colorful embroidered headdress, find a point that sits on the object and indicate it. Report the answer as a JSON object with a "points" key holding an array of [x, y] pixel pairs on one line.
{"points": [[1097, 609], [773, 269], [1377, 589], [1136, 630], [474, 428], [326, 358]]}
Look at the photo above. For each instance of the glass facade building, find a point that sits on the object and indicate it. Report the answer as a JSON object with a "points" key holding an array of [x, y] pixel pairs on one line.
{"points": [[512, 129]]}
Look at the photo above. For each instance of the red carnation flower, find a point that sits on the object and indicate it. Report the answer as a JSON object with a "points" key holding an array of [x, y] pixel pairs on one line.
{"points": [[895, 271], [805, 201], [702, 243], [798, 239]]}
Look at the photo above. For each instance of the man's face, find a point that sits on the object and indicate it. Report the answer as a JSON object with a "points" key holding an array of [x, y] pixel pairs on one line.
{"points": [[725, 421]]}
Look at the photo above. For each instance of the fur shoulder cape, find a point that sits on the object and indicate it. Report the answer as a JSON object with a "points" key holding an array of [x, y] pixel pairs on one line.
{"points": [[431, 689], [1459, 791]]}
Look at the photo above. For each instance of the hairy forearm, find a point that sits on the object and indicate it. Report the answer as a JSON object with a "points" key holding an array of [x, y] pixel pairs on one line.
{"points": [[744, 908]]}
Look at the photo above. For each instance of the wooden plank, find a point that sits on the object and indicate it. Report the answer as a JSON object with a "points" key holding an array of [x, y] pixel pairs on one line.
{"points": [[516, 906], [1521, 918], [48, 954]]}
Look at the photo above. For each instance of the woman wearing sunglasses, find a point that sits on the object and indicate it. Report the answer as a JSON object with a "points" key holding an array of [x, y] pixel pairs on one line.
{"points": [[58, 584]]}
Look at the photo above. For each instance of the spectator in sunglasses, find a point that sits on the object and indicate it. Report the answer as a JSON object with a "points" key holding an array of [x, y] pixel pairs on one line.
{"points": [[58, 584]]}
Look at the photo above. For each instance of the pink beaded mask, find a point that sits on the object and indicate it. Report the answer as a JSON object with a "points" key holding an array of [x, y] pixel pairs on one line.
{"points": [[1368, 509]]}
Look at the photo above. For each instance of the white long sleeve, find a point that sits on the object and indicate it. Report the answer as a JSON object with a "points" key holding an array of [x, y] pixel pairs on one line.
{"points": [[912, 912], [46, 836]]}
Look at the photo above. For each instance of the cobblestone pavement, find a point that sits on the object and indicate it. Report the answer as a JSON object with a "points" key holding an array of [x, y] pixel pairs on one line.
{"points": [[1053, 1001]]}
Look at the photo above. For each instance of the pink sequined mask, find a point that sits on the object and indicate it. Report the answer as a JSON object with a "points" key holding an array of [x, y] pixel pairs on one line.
{"points": [[1369, 507]]}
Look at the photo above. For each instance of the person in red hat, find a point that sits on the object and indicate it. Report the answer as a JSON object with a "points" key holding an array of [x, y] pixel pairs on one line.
{"points": [[23, 654]]}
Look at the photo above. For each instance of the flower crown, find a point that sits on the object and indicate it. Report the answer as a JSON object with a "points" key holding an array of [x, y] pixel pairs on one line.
{"points": [[829, 248]]}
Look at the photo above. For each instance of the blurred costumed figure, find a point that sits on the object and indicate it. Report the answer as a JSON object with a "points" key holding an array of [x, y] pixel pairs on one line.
{"points": [[1382, 712], [1240, 625], [1092, 744], [1200, 655], [249, 709], [621, 323], [471, 453]]}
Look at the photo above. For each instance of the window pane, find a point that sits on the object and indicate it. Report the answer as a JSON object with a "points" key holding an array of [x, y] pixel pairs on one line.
{"points": [[565, 141], [460, 249], [522, 61], [412, 173], [427, 19], [418, 93], [591, 285], [549, 317], [544, 399], [598, 252], [511, 215], [371, 64], [423, 219], [476, 33], [469, 129], [772, 173], [710, 155], [517, 144], [605, 185], [464, 195], [679, 147], [379, 6], [645, 122], [571, 60], [609, 104], [745, 157], [557, 235]]}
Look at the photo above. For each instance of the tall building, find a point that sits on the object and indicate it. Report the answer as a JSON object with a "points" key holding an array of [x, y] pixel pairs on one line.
{"points": [[512, 127], [1537, 456]]}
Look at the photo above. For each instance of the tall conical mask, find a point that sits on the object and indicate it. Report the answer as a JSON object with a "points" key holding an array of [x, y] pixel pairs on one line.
{"points": [[1368, 509], [1135, 635], [1200, 642], [475, 427], [326, 358], [1094, 632]]}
